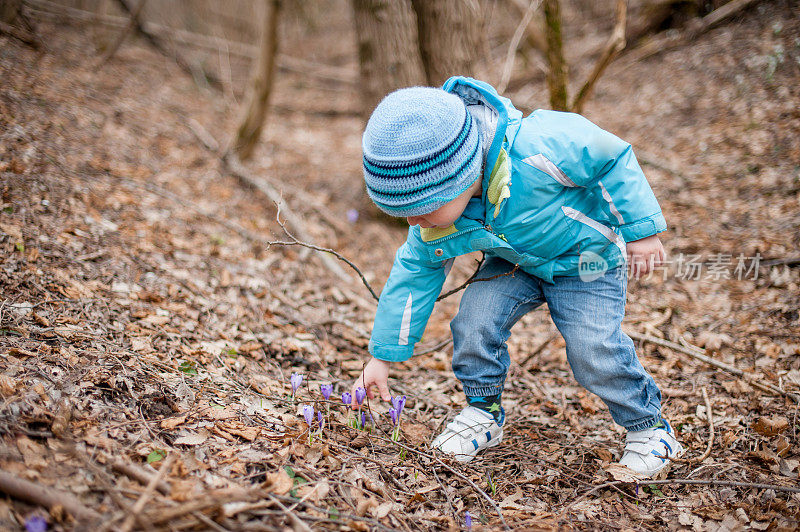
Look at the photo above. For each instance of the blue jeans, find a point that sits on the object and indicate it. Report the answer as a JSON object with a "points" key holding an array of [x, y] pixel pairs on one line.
{"points": [[587, 314]]}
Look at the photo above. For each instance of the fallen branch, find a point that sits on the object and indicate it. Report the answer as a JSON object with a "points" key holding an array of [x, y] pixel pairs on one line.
{"points": [[156, 43], [699, 354], [232, 164], [324, 72], [21, 35], [695, 29], [680, 481], [134, 20], [138, 474], [456, 473], [297, 524], [49, 498], [148, 492]]}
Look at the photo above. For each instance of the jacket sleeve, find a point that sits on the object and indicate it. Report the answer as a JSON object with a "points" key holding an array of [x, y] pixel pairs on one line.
{"points": [[602, 162], [406, 301]]}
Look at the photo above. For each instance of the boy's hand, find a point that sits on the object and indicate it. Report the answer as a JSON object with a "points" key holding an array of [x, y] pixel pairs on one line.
{"points": [[645, 254], [375, 375]]}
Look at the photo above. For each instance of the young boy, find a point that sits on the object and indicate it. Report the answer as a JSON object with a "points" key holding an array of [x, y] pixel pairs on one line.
{"points": [[556, 204]]}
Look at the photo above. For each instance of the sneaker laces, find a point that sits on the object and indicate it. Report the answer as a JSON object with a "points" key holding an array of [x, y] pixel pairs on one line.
{"points": [[470, 421]]}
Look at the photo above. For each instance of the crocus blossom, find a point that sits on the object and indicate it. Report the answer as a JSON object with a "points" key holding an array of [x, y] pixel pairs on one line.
{"points": [[361, 394], [308, 413], [296, 380], [393, 415], [352, 216], [347, 399], [467, 520], [320, 419], [327, 390], [399, 403], [36, 523]]}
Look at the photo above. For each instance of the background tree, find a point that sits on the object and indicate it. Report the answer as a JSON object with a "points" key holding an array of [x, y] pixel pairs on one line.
{"points": [[451, 37], [388, 55], [9, 10], [261, 81]]}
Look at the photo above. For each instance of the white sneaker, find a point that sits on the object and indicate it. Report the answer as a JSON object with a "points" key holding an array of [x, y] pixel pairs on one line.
{"points": [[648, 451], [470, 431]]}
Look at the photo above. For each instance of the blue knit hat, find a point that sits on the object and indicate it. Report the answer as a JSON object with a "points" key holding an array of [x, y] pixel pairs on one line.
{"points": [[421, 150]]}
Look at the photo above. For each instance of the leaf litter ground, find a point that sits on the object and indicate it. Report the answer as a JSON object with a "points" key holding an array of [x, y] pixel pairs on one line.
{"points": [[135, 324]]}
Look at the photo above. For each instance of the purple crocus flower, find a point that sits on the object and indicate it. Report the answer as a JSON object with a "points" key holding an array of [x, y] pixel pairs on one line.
{"points": [[308, 413], [347, 399], [468, 520], [361, 394], [296, 380], [320, 419], [352, 216], [363, 419], [393, 415], [399, 403], [36, 523], [327, 390]]}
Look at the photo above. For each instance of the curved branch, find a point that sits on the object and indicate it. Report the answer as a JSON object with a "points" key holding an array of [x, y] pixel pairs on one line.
{"points": [[616, 43]]}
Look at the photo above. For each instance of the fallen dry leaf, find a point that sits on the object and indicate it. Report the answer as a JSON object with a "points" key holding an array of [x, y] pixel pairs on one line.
{"points": [[623, 473], [191, 439], [770, 426], [279, 482], [173, 422]]}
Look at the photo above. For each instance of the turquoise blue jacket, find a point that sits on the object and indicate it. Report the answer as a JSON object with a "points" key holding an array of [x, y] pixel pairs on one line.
{"points": [[555, 186]]}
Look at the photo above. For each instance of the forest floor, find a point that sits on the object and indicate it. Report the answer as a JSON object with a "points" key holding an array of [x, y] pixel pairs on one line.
{"points": [[145, 320]]}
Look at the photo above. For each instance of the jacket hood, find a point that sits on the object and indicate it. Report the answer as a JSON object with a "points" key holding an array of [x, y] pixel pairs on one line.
{"points": [[476, 92]]}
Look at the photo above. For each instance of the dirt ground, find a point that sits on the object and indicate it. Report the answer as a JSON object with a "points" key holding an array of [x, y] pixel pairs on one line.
{"points": [[145, 319]]}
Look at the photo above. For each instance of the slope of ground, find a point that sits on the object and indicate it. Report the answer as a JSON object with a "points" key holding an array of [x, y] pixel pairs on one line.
{"points": [[143, 314]]}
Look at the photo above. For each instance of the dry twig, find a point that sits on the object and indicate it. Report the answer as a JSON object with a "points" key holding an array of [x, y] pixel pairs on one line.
{"points": [[698, 353], [25, 490], [148, 492], [616, 43], [512, 47], [697, 28], [134, 20]]}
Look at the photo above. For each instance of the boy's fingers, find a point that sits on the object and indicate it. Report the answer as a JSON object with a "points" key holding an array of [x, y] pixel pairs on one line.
{"points": [[383, 388]]}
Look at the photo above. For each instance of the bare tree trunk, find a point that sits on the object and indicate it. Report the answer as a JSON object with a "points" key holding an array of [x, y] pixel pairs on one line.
{"points": [[387, 49], [451, 37], [9, 9], [261, 81], [557, 67]]}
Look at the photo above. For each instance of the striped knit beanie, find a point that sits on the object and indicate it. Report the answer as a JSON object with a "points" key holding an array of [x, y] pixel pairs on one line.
{"points": [[421, 150]]}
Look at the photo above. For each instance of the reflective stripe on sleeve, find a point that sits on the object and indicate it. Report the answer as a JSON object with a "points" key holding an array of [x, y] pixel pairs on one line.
{"points": [[405, 323], [546, 165], [611, 206], [597, 226]]}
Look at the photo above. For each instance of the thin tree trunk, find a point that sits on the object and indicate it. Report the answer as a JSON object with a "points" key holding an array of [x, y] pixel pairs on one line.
{"points": [[557, 67], [255, 109], [450, 37], [616, 43], [387, 49], [9, 9]]}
